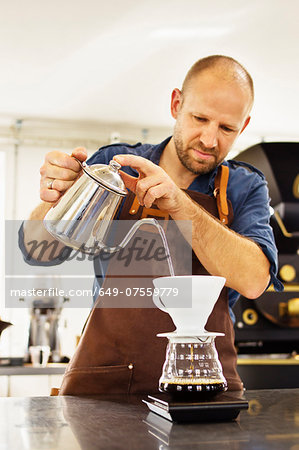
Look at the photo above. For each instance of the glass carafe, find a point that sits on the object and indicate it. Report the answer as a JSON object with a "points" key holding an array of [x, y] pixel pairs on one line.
{"points": [[192, 367]]}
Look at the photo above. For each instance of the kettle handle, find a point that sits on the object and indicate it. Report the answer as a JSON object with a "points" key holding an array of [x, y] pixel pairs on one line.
{"points": [[82, 164]]}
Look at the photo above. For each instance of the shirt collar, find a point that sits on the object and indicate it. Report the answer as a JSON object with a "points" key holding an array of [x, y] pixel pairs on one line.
{"points": [[156, 151]]}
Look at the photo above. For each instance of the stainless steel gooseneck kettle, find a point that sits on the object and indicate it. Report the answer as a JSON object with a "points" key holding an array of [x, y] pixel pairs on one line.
{"points": [[82, 217]]}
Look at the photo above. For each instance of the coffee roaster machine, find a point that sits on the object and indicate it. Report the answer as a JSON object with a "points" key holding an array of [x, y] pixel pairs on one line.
{"points": [[269, 325]]}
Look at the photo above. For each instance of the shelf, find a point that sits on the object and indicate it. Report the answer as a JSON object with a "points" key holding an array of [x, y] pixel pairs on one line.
{"points": [[28, 369]]}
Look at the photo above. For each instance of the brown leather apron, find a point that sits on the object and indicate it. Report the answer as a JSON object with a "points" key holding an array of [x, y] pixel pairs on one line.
{"points": [[118, 351]]}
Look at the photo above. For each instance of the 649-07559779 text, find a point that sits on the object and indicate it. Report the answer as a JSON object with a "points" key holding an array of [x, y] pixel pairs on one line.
{"points": [[138, 291]]}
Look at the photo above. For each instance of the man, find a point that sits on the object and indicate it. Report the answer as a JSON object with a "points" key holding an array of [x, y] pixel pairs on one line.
{"points": [[179, 177]]}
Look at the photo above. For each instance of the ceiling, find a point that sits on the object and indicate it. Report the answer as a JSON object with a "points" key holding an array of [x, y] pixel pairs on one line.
{"points": [[118, 61]]}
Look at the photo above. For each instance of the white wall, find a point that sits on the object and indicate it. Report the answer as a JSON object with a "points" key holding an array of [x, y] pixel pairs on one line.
{"points": [[2, 202]]}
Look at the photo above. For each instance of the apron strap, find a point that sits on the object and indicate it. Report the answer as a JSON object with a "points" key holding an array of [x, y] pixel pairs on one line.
{"points": [[221, 181]]}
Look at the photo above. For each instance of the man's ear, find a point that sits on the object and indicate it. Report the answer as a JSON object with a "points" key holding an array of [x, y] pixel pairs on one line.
{"points": [[176, 101], [245, 124]]}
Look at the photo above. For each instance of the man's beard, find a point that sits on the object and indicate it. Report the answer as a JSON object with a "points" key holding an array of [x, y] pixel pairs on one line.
{"points": [[198, 167]]}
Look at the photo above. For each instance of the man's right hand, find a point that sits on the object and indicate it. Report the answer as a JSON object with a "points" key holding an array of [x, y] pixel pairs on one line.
{"points": [[62, 170]]}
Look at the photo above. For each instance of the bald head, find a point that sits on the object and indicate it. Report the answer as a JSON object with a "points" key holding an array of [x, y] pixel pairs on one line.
{"points": [[224, 67]]}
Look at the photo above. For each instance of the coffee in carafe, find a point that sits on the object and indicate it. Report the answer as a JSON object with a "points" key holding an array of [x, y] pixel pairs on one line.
{"points": [[192, 367]]}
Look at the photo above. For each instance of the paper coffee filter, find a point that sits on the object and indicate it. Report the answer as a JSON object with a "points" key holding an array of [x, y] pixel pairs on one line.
{"points": [[189, 300]]}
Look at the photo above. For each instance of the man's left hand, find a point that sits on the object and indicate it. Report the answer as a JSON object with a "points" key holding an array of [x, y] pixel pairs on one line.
{"points": [[153, 184]]}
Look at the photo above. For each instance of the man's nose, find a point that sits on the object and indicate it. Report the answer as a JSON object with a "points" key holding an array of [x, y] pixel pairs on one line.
{"points": [[208, 136]]}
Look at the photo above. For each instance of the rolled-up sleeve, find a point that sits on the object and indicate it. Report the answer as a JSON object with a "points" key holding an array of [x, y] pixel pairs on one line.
{"points": [[34, 262], [252, 218]]}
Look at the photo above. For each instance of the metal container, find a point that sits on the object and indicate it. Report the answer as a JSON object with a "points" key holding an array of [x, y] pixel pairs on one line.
{"points": [[82, 217]]}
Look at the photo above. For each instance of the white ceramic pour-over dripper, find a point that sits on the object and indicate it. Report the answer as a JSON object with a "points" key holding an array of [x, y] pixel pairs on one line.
{"points": [[189, 300]]}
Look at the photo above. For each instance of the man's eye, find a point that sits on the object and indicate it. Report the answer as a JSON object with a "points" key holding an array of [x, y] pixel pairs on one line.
{"points": [[200, 119], [229, 130]]}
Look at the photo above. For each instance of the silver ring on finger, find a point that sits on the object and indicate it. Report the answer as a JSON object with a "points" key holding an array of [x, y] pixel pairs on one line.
{"points": [[50, 184]]}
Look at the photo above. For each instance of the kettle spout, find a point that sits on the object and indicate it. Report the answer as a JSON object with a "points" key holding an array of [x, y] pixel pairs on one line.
{"points": [[132, 231], [134, 228]]}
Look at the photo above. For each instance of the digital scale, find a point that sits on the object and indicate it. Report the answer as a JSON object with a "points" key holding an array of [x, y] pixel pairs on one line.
{"points": [[222, 407]]}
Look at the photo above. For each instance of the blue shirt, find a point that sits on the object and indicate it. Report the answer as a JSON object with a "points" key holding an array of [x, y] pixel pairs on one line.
{"points": [[247, 190]]}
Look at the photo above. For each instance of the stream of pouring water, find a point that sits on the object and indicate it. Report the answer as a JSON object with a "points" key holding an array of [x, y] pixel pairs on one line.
{"points": [[165, 244]]}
